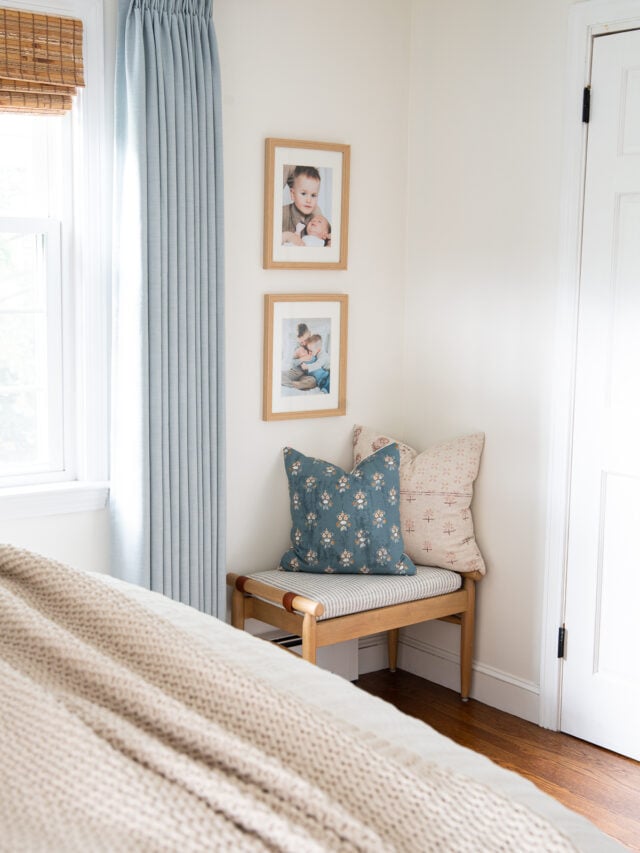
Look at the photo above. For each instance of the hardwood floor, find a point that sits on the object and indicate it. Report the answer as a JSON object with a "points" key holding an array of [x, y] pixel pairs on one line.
{"points": [[599, 784]]}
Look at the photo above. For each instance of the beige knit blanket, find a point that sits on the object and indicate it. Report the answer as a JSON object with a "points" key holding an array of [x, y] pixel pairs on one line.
{"points": [[119, 732]]}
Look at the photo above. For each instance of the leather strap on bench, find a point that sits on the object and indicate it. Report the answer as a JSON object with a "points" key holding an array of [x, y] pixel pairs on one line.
{"points": [[240, 582], [291, 601], [287, 601]]}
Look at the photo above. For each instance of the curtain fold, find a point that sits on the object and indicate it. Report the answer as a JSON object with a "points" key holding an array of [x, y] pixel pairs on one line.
{"points": [[167, 483]]}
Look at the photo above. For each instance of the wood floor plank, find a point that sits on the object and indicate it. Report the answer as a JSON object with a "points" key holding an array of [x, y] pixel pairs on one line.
{"points": [[599, 784]]}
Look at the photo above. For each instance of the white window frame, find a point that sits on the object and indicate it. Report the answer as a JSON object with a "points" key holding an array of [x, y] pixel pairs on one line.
{"points": [[85, 304]]}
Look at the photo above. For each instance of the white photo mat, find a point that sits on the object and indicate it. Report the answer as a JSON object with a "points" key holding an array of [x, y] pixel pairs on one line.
{"points": [[326, 162]]}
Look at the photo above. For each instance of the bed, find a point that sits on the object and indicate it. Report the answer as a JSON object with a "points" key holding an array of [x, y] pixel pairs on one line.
{"points": [[131, 722]]}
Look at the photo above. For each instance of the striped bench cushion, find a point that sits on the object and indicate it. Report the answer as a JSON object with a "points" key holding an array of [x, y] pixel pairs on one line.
{"points": [[342, 594]]}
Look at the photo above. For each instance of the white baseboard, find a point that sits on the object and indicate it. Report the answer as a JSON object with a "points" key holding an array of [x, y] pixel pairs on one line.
{"points": [[372, 653], [490, 686]]}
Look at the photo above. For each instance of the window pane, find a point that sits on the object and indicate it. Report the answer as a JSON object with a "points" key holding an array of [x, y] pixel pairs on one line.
{"points": [[23, 444], [30, 366], [22, 272], [30, 146], [23, 354]]}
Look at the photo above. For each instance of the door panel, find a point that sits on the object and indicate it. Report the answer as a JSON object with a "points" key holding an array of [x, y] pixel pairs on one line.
{"points": [[601, 673], [618, 582]]}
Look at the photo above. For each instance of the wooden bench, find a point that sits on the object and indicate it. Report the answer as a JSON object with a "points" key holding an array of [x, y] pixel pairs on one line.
{"points": [[325, 609]]}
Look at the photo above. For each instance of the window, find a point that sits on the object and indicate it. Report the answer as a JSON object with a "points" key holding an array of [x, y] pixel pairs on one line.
{"points": [[53, 273]]}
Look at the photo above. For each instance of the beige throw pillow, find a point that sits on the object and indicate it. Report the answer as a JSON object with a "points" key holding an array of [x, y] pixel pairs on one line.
{"points": [[436, 488]]}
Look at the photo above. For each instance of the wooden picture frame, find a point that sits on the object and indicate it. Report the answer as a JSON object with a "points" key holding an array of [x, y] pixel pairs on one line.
{"points": [[305, 355], [306, 181]]}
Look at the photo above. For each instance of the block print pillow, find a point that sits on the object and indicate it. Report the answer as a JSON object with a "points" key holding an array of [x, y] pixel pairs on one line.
{"points": [[345, 523], [436, 488]]}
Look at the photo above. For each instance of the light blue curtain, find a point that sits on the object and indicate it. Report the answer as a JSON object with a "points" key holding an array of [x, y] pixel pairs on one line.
{"points": [[167, 483]]}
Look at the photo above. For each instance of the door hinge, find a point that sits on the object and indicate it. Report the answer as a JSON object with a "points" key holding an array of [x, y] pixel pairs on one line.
{"points": [[562, 633], [586, 104]]}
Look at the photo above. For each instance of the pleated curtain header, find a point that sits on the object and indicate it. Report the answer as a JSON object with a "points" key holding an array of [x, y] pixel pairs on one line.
{"points": [[175, 7], [40, 62]]}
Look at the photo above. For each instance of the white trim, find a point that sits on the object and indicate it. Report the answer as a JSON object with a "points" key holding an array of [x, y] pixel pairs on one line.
{"points": [[57, 404], [52, 499], [75, 8], [91, 292], [372, 653], [491, 686], [586, 20]]}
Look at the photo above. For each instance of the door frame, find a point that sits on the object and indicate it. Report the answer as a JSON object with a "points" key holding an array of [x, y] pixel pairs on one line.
{"points": [[587, 19]]}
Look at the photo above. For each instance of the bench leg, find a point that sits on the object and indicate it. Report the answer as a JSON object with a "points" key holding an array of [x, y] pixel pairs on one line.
{"points": [[392, 643], [309, 638], [466, 639], [237, 609]]}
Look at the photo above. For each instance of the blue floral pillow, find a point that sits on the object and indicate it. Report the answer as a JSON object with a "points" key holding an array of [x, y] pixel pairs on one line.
{"points": [[346, 523]]}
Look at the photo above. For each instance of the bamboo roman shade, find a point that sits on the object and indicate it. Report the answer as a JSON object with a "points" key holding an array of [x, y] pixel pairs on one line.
{"points": [[40, 62]]}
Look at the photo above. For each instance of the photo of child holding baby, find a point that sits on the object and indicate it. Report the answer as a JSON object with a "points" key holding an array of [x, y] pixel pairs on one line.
{"points": [[303, 222]]}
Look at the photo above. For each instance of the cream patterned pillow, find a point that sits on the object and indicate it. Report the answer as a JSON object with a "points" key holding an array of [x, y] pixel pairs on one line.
{"points": [[436, 488]]}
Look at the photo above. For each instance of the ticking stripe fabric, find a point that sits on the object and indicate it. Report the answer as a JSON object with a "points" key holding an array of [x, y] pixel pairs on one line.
{"points": [[343, 594]]}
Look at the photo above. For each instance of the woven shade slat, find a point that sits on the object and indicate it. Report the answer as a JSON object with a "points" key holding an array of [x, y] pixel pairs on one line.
{"points": [[24, 103], [40, 61], [7, 86], [45, 111]]}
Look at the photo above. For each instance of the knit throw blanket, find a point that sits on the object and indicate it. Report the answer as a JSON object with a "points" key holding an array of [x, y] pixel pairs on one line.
{"points": [[119, 731]]}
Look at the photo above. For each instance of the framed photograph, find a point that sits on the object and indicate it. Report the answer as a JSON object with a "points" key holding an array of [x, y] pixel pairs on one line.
{"points": [[305, 355], [306, 205]]}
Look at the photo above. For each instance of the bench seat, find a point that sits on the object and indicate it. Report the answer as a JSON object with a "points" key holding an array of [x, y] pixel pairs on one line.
{"points": [[324, 609]]}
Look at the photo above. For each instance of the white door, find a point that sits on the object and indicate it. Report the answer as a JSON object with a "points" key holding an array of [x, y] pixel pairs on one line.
{"points": [[601, 672]]}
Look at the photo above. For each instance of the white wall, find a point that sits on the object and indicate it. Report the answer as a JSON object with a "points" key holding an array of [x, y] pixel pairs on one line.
{"points": [[454, 115], [485, 142], [335, 75], [79, 539]]}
